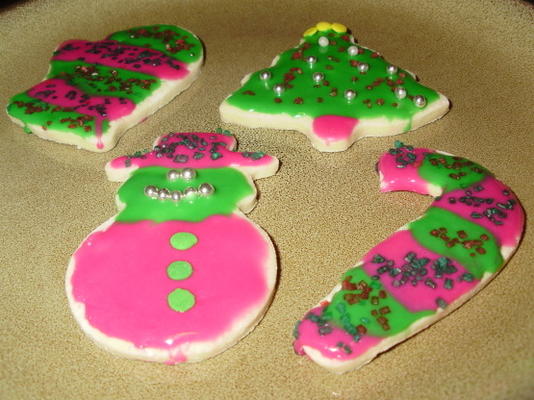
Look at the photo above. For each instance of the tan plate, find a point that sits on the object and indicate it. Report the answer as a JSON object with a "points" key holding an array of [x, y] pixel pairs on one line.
{"points": [[323, 211]]}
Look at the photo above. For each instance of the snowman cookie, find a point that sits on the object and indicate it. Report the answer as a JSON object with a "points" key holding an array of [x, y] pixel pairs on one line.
{"points": [[180, 273], [334, 91], [424, 270], [95, 91]]}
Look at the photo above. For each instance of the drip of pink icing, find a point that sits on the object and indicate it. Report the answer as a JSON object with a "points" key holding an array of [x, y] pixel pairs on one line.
{"points": [[507, 234], [118, 55], [407, 178], [120, 276], [328, 344], [333, 128], [420, 297], [228, 157], [58, 92]]}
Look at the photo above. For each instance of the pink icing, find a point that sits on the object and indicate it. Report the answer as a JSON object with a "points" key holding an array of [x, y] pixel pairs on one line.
{"points": [[328, 344], [333, 128], [420, 297], [119, 55], [407, 178], [120, 276], [507, 234], [226, 144], [58, 92]]}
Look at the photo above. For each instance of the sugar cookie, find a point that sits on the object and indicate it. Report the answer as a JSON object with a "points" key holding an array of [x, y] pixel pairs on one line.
{"points": [[424, 270], [180, 273], [95, 91], [334, 91]]}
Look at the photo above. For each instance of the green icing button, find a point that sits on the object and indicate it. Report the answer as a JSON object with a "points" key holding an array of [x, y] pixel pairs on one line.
{"points": [[183, 240], [181, 300], [179, 270]]}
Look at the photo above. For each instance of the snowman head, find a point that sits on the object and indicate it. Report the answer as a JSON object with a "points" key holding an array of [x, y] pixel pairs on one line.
{"points": [[188, 176]]}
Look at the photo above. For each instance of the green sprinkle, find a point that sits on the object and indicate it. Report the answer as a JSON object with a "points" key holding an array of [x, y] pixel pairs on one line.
{"points": [[296, 329], [375, 285], [441, 303], [377, 259], [467, 277]]}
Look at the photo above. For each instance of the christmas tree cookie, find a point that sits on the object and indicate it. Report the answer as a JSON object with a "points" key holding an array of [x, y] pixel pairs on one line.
{"points": [[334, 91], [424, 270], [180, 273], [95, 91]]}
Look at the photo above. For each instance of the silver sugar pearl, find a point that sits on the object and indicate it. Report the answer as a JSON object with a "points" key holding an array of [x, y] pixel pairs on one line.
{"points": [[264, 75], [311, 59], [190, 191], [350, 94], [400, 92], [151, 191], [164, 194], [323, 41], [318, 76], [176, 195], [391, 69], [189, 173], [278, 89], [363, 68], [173, 175], [205, 189], [419, 101], [353, 50]]}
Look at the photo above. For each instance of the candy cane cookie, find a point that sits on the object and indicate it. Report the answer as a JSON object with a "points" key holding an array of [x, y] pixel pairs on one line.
{"points": [[180, 273], [334, 91], [423, 271], [95, 91]]}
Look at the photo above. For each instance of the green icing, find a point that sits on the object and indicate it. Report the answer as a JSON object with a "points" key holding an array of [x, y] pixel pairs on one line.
{"points": [[179, 270], [99, 80], [175, 42], [183, 241], [372, 308], [452, 236], [36, 112], [230, 185], [451, 172], [302, 96], [181, 300]]}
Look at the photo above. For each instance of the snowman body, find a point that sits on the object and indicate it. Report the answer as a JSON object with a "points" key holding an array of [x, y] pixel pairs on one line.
{"points": [[175, 280]]}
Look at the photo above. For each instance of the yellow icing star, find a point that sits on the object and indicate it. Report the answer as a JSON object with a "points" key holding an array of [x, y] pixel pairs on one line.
{"points": [[339, 28], [323, 26], [310, 31]]}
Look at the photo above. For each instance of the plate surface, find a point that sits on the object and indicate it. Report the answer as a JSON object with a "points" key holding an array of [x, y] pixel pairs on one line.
{"points": [[323, 211]]}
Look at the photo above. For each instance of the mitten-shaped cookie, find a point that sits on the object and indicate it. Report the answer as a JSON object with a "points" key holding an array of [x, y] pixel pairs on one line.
{"points": [[334, 91], [180, 273], [95, 91], [424, 270]]}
